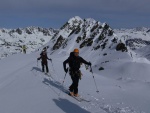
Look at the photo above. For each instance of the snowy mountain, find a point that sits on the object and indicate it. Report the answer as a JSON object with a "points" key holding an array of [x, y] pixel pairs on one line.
{"points": [[25, 89], [137, 41], [84, 33], [11, 41], [135, 38], [93, 38], [120, 62]]}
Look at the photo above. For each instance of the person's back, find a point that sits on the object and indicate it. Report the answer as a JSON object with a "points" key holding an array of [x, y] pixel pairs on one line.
{"points": [[74, 63], [44, 57]]}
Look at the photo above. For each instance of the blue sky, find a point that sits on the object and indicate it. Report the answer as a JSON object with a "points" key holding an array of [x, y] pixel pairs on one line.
{"points": [[54, 13]]}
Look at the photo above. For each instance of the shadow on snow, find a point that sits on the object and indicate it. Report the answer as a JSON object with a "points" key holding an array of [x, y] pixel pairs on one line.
{"points": [[69, 107]]}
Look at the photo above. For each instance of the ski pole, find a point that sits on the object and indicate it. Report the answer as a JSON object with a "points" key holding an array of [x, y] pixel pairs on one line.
{"points": [[37, 63], [52, 65], [63, 83], [54, 70], [94, 80]]}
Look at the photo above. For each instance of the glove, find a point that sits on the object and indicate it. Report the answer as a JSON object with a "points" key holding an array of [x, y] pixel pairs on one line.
{"points": [[90, 63], [50, 59], [38, 58], [66, 70]]}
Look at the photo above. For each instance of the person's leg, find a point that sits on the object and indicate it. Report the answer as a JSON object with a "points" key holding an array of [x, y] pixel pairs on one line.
{"points": [[74, 87], [42, 66], [71, 86], [47, 70], [76, 82]]}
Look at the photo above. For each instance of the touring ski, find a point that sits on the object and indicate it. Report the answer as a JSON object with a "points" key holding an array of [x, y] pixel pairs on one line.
{"points": [[79, 98]]}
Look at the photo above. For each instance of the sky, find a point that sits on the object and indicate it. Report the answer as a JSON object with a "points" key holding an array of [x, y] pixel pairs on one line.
{"points": [[54, 13]]}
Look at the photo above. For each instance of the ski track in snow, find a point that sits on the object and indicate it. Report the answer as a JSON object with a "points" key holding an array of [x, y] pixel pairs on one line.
{"points": [[54, 87], [12, 78], [97, 103], [123, 84]]}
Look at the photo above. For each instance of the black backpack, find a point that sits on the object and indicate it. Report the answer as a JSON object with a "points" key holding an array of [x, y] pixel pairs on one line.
{"points": [[71, 54], [74, 63]]}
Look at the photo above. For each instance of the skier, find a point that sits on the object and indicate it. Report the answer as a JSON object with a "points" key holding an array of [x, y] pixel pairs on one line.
{"points": [[74, 61], [44, 61], [24, 49]]}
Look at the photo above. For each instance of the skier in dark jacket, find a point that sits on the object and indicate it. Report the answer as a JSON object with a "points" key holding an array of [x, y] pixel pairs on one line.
{"points": [[44, 62], [74, 64]]}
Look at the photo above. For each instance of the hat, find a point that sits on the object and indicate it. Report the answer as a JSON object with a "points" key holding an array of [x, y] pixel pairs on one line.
{"points": [[76, 50]]}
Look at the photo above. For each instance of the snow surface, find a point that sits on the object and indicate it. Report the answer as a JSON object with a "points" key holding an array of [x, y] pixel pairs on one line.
{"points": [[123, 85], [11, 41]]}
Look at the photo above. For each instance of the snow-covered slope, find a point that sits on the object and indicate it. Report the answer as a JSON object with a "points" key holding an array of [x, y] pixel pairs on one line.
{"points": [[11, 41], [135, 38], [94, 39], [137, 41], [121, 72], [25, 89], [84, 33]]}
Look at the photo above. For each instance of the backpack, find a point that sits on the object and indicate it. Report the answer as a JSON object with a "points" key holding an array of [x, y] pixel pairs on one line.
{"points": [[74, 63], [71, 54]]}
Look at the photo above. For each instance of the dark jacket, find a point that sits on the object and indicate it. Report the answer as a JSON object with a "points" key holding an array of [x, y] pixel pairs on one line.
{"points": [[74, 62], [44, 58]]}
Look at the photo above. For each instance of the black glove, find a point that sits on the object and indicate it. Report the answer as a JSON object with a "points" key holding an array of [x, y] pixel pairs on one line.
{"points": [[66, 70], [50, 59], [90, 63], [38, 58]]}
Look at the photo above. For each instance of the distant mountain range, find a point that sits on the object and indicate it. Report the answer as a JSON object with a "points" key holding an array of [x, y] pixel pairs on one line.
{"points": [[76, 33], [11, 40]]}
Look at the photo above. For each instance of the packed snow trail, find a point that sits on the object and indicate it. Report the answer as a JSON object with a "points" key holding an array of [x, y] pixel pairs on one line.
{"points": [[25, 89]]}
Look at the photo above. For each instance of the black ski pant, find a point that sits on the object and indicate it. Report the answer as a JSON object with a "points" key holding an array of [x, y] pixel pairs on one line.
{"points": [[45, 64], [75, 81], [24, 51]]}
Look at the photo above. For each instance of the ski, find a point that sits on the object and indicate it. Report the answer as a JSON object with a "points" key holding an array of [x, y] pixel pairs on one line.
{"points": [[49, 76], [83, 99], [79, 98]]}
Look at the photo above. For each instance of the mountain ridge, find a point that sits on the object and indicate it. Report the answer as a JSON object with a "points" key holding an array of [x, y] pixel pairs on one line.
{"points": [[80, 32]]}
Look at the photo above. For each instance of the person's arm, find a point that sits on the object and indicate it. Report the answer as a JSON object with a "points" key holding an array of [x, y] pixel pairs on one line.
{"points": [[84, 61], [39, 58], [64, 65], [48, 58]]}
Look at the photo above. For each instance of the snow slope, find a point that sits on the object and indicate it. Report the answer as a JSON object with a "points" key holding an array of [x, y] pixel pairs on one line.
{"points": [[122, 77], [12, 40], [135, 38], [24, 89]]}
